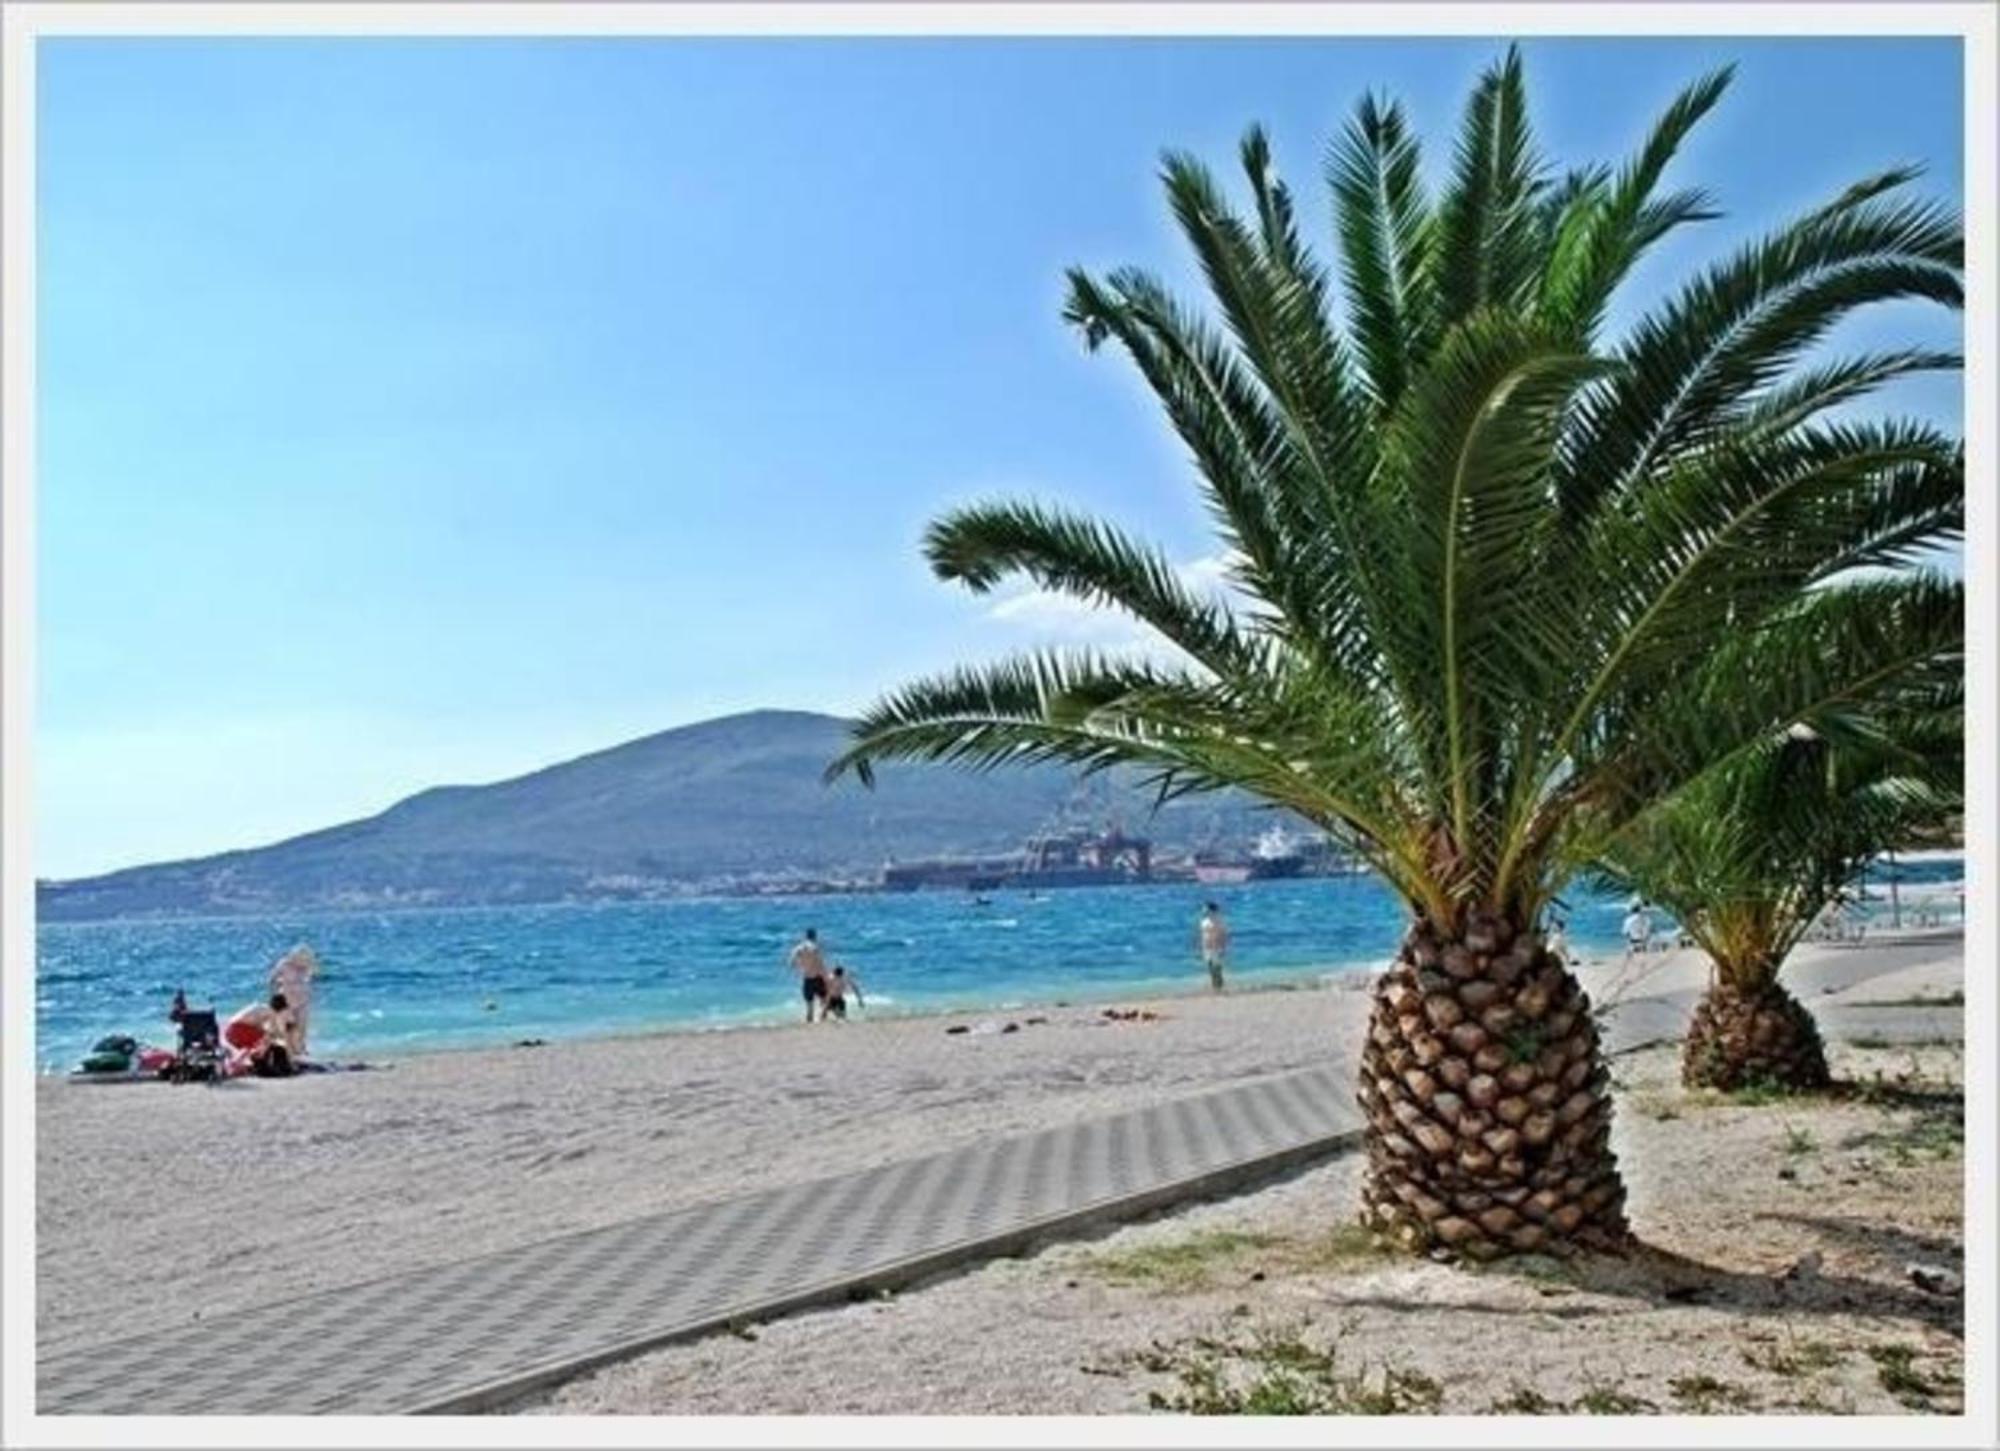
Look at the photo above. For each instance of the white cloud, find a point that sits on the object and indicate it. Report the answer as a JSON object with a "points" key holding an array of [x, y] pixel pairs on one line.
{"points": [[1211, 574], [1056, 618]]}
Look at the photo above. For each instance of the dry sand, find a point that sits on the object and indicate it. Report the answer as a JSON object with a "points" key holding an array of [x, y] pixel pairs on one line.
{"points": [[209, 1197]]}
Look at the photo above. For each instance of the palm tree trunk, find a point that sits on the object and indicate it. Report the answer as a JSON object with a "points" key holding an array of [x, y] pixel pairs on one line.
{"points": [[1487, 1100], [1745, 1034]]}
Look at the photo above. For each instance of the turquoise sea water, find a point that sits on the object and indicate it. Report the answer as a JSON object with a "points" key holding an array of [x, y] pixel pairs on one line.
{"points": [[418, 980]]}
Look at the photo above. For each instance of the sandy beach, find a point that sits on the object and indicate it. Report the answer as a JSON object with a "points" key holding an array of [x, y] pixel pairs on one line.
{"points": [[195, 1199]]}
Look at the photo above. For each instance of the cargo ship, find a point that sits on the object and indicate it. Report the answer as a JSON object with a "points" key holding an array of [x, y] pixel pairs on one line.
{"points": [[1276, 855], [1052, 859]]}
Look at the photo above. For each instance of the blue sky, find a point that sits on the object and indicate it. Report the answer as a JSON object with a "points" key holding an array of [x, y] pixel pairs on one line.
{"points": [[428, 411]]}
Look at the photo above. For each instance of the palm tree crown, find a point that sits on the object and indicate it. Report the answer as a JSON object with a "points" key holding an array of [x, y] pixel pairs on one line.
{"points": [[1502, 581], [1748, 857]]}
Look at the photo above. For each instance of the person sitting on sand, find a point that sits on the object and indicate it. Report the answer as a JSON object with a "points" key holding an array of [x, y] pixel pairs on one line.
{"points": [[839, 983], [809, 962], [1213, 937], [262, 1036]]}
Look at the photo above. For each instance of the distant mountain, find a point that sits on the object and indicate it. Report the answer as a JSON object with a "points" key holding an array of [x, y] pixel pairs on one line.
{"points": [[728, 802]]}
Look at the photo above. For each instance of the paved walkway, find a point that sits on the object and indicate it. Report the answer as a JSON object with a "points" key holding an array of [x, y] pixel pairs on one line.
{"points": [[460, 1337]]}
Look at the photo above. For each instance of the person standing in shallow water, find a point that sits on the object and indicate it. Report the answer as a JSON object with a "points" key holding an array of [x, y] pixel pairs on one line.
{"points": [[1213, 936], [840, 985], [809, 962]]}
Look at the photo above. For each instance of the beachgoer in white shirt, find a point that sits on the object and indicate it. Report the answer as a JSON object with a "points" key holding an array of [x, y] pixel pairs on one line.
{"points": [[1213, 937]]}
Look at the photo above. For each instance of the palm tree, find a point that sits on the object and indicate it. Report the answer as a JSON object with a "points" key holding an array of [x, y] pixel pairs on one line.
{"points": [[1495, 573], [1749, 857]]}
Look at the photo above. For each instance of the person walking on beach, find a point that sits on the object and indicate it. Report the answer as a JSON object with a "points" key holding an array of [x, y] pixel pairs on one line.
{"points": [[1213, 935], [839, 983], [809, 962], [1638, 930]]}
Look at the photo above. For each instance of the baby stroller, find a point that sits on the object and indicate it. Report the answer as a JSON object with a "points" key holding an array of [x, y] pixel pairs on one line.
{"points": [[199, 1059]]}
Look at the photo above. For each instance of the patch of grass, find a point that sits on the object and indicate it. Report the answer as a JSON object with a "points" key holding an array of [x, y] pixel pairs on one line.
{"points": [[1954, 999], [1281, 1373], [1813, 1399], [1660, 1107], [1896, 1371], [1346, 1247], [1550, 1275], [1182, 1264], [1796, 1358], [1526, 1401], [1932, 1138], [1610, 1400], [1705, 1395], [1935, 1130], [1201, 1261], [1758, 1092], [1799, 1142], [1755, 1092]]}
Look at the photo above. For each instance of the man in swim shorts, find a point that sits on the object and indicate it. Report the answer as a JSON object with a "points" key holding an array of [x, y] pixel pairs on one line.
{"points": [[809, 962]]}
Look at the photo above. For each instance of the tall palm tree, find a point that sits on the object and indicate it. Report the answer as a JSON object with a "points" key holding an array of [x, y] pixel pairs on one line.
{"points": [[1495, 571], [1749, 857]]}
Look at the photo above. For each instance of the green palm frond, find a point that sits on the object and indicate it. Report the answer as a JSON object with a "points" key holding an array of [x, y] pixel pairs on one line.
{"points": [[1277, 315], [1837, 660], [1467, 452], [1270, 507], [1749, 855], [1385, 234], [1812, 391], [1614, 224], [1487, 252], [1500, 585], [1685, 559], [1741, 324], [981, 545]]}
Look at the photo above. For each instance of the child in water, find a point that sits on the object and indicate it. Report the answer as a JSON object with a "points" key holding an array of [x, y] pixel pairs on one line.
{"points": [[839, 983]]}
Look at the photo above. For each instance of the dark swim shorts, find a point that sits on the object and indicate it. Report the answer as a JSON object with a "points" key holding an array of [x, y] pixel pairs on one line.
{"points": [[813, 987]]}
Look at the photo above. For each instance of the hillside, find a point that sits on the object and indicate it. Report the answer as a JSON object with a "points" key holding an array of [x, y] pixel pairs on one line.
{"points": [[721, 802]]}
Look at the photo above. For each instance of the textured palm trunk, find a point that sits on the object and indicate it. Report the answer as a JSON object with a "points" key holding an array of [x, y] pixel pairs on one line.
{"points": [[1757, 1034], [1488, 1104]]}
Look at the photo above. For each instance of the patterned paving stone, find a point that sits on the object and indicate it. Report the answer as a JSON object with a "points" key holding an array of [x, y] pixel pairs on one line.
{"points": [[465, 1335]]}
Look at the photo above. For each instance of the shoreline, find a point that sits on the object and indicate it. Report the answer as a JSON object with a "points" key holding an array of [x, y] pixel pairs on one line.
{"points": [[1344, 976], [1253, 982]]}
